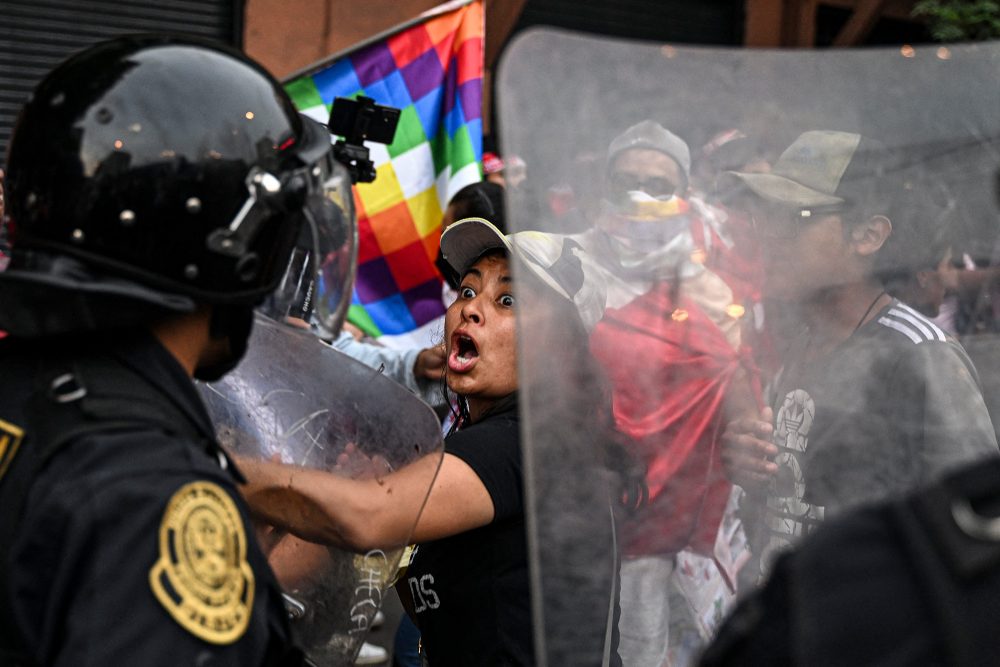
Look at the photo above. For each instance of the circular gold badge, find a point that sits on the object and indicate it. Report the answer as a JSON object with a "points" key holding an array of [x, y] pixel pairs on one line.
{"points": [[202, 577]]}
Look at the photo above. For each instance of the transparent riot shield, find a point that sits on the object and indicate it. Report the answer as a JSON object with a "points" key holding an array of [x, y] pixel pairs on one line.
{"points": [[792, 247], [297, 401]]}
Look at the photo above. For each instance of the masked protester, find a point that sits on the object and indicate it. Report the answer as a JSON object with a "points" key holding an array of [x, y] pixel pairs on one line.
{"points": [[157, 188], [671, 343]]}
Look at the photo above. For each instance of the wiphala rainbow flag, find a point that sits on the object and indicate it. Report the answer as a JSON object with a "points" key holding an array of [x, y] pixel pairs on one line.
{"points": [[432, 71]]}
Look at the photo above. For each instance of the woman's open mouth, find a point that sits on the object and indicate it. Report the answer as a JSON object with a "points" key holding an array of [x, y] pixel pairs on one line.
{"points": [[464, 353]]}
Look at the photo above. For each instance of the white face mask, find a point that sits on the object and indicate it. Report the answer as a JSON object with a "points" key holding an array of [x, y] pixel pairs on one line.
{"points": [[650, 236], [644, 221]]}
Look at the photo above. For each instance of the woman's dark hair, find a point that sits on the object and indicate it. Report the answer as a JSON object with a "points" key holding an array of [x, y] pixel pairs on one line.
{"points": [[481, 200]]}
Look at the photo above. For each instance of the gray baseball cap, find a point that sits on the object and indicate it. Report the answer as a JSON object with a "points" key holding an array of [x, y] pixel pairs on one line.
{"points": [[555, 259], [650, 134], [810, 173]]}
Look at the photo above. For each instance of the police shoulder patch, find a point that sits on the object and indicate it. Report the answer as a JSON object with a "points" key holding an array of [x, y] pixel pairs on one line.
{"points": [[10, 440], [202, 577]]}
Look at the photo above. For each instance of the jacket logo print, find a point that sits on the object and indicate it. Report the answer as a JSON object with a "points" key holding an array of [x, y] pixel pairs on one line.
{"points": [[10, 441]]}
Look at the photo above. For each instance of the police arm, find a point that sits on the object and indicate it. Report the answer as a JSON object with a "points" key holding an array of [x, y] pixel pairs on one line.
{"points": [[363, 514]]}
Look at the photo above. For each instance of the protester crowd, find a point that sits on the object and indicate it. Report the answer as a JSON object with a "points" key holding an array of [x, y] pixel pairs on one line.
{"points": [[753, 341]]}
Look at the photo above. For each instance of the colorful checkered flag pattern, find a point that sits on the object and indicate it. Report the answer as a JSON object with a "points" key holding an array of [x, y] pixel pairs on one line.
{"points": [[432, 71]]}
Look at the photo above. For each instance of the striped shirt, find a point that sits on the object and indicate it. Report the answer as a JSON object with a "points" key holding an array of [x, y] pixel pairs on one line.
{"points": [[889, 409], [912, 324]]}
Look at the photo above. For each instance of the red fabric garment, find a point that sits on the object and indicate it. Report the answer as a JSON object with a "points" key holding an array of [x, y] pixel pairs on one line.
{"points": [[669, 375]]}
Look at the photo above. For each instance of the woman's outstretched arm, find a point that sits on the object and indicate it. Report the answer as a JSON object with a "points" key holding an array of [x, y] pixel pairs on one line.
{"points": [[363, 514]]}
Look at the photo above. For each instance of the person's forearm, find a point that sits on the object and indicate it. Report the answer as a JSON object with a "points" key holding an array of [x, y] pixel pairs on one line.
{"points": [[326, 508], [740, 399], [285, 497], [971, 281]]}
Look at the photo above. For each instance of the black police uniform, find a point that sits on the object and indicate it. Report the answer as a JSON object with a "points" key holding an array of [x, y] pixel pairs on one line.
{"points": [[135, 197], [132, 545], [909, 581]]}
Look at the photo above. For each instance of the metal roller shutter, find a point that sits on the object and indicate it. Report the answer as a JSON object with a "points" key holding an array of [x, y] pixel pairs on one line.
{"points": [[35, 35]]}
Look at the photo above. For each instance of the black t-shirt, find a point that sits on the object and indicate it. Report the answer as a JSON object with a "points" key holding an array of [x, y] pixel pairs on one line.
{"points": [[134, 546], [471, 591], [889, 409]]}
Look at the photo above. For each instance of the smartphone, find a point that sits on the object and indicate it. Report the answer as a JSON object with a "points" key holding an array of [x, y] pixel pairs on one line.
{"points": [[361, 120]]}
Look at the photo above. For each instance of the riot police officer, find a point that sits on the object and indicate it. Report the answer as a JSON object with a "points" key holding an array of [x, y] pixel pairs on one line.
{"points": [[157, 187]]}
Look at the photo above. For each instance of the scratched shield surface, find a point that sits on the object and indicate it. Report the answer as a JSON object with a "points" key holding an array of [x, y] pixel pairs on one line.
{"points": [[698, 279], [297, 401]]}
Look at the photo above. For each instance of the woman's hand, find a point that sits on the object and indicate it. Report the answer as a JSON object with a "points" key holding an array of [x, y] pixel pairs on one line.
{"points": [[430, 363]]}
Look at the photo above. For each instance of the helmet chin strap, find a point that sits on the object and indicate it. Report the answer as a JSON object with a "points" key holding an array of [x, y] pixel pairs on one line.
{"points": [[231, 323]]}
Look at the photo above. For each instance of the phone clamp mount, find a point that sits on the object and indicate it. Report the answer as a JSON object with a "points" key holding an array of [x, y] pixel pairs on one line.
{"points": [[359, 120]]}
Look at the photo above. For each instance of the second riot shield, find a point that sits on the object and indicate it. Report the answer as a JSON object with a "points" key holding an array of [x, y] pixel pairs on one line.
{"points": [[776, 237]]}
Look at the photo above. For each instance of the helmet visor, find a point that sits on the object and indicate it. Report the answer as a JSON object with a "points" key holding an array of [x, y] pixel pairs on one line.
{"points": [[315, 290]]}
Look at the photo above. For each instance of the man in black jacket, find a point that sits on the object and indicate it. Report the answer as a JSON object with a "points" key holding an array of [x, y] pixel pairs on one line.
{"points": [[909, 581], [156, 190]]}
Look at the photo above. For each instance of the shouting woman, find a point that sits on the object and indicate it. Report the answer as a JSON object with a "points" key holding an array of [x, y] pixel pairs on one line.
{"points": [[467, 585]]}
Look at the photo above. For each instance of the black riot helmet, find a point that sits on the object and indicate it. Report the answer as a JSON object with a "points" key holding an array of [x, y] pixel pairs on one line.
{"points": [[152, 173]]}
